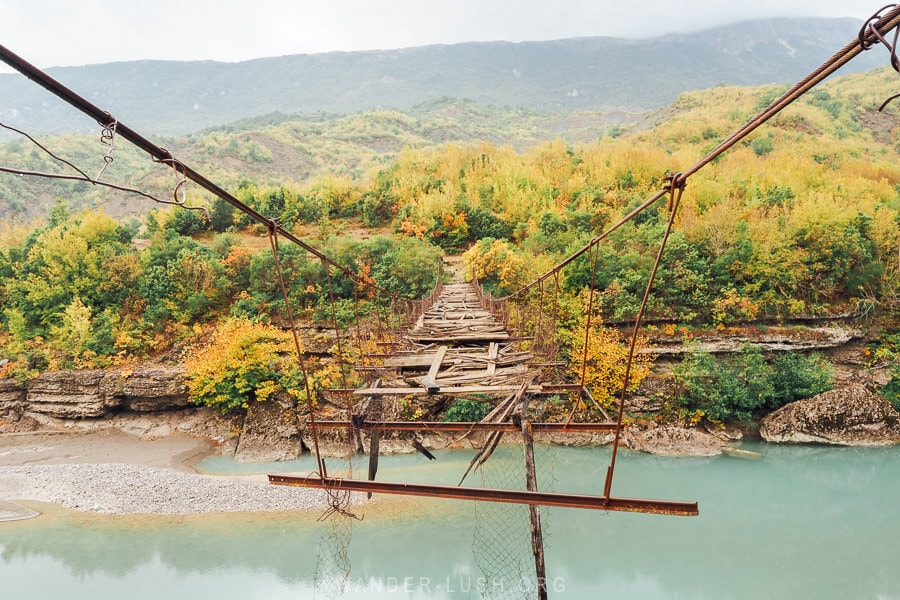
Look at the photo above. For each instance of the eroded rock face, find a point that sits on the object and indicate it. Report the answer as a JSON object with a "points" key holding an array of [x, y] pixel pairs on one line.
{"points": [[152, 389], [672, 440], [12, 399], [270, 432], [69, 394], [94, 393], [850, 416]]}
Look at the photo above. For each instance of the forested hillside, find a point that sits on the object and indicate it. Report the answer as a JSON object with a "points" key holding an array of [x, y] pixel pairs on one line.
{"points": [[278, 148], [801, 220]]}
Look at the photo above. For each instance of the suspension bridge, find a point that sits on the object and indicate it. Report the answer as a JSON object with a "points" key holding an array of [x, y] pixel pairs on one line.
{"points": [[460, 341]]}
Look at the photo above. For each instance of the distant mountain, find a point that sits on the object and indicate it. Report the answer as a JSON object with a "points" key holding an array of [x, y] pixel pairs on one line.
{"points": [[584, 74]]}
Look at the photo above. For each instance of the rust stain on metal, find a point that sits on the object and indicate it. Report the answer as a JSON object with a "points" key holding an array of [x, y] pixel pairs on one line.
{"points": [[659, 507]]}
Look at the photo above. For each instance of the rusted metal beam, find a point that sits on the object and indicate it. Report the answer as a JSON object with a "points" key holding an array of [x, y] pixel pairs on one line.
{"points": [[442, 426], [659, 507], [460, 390]]}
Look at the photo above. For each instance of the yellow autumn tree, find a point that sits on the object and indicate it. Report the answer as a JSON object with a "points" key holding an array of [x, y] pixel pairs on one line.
{"points": [[495, 264], [241, 363], [605, 361]]}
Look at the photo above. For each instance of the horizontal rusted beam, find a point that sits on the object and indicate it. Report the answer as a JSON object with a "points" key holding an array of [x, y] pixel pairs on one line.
{"points": [[440, 426], [543, 389], [659, 507]]}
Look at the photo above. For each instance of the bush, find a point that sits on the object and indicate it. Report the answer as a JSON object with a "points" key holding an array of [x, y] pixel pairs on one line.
{"points": [[744, 385], [605, 361], [734, 389], [798, 376], [891, 391], [187, 222], [466, 410], [239, 365]]}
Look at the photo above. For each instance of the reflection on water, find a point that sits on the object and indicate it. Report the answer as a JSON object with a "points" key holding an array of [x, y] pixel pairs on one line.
{"points": [[803, 522]]}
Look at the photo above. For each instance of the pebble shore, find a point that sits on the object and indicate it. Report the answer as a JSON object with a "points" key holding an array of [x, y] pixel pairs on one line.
{"points": [[122, 489]]}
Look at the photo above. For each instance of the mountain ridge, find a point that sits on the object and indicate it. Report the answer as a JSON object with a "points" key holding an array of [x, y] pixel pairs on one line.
{"points": [[568, 75]]}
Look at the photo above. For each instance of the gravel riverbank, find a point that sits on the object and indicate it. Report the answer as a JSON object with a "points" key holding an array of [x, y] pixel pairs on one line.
{"points": [[115, 473], [119, 489]]}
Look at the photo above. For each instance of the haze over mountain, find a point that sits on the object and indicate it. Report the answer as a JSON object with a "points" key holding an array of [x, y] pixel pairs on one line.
{"points": [[583, 74]]}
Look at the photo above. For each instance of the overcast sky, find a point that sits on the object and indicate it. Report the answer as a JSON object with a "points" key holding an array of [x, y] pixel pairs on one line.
{"points": [[77, 32]]}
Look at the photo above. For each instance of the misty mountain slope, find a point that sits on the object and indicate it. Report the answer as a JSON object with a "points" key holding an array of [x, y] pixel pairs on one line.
{"points": [[175, 98]]}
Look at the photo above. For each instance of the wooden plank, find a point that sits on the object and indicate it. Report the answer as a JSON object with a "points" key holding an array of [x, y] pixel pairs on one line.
{"points": [[428, 381], [500, 336], [534, 512], [479, 375], [466, 426], [493, 349], [468, 389], [374, 439]]}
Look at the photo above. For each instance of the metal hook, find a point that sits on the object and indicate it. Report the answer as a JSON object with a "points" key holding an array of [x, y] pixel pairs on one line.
{"points": [[107, 138], [871, 28]]}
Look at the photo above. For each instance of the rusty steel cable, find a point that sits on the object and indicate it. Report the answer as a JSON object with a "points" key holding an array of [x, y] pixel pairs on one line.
{"points": [[676, 189], [159, 154], [273, 242]]}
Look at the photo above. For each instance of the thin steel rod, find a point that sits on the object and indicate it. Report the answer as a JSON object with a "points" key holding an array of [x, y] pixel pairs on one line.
{"points": [[659, 507]]}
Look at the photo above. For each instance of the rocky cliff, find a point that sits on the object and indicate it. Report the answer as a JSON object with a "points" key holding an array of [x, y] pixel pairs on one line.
{"points": [[96, 393]]}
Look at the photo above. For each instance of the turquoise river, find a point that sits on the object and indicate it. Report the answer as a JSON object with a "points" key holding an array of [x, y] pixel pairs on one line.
{"points": [[800, 522]]}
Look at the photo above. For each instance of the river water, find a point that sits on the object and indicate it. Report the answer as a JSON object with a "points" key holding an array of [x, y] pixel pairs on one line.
{"points": [[800, 522]]}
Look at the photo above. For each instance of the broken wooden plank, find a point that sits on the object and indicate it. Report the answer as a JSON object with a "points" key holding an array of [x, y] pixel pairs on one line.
{"points": [[493, 349], [468, 389], [428, 381]]}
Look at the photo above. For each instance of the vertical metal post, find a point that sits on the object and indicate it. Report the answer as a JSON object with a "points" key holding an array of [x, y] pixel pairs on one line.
{"points": [[534, 511]]}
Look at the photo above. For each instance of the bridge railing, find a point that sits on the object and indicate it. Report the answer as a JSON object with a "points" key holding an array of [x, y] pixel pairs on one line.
{"points": [[530, 320]]}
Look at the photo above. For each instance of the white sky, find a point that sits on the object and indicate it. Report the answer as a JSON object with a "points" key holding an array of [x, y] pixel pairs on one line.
{"points": [[76, 32]]}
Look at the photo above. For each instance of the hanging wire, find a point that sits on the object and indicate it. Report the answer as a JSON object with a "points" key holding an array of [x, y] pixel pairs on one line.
{"points": [[872, 30], [46, 151], [108, 138], [82, 176], [871, 34], [301, 361], [676, 189]]}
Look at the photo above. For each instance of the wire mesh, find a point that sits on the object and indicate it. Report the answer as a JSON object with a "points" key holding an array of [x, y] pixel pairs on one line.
{"points": [[501, 543], [333, 557]]}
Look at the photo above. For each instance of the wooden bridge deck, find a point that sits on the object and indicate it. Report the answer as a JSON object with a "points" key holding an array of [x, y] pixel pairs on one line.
{"points": [[457, 347]]}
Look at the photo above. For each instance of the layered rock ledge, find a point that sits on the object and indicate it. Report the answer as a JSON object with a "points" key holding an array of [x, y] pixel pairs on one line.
{"points": [[86, 394]]}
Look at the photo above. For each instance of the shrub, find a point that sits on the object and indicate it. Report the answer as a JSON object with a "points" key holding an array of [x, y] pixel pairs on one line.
{"points": [[744, 385], [605, 362], [798, 376], [466, 410], [733, 389], [239, 365]]}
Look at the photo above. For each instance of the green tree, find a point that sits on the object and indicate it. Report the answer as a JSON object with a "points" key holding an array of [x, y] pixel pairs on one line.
{"points": [[466, 410]]}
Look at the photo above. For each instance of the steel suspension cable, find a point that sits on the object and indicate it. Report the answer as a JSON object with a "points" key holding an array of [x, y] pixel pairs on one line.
{"points": [[874, 32], [158, 153]]}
